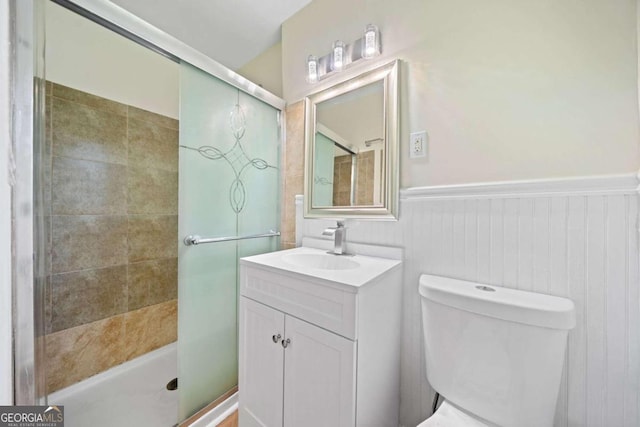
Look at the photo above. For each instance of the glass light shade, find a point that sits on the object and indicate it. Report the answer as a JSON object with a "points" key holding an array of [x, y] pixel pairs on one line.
{"points": [[312, 69], [337, 59], [371, 42]]}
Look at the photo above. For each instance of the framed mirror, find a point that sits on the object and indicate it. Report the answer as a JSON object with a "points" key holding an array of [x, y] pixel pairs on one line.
{"points": [[351, 148]]}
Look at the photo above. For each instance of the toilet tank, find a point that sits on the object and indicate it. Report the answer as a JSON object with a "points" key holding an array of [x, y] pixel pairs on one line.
{"points": [[495, 352]]}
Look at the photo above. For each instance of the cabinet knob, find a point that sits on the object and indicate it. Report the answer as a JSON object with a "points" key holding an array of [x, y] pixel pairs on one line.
{"points": [[276, 338], [285, 343]]}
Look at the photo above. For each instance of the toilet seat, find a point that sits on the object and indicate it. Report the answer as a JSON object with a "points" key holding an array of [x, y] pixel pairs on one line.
{"points": [[448, 415]]}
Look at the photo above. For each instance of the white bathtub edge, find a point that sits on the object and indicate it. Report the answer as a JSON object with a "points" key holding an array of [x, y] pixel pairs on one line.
{"points": [[219, 413], [62, 394]]}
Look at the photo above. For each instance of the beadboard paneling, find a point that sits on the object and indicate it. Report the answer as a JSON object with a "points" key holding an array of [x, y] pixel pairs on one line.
{"points": [[579, 244]]}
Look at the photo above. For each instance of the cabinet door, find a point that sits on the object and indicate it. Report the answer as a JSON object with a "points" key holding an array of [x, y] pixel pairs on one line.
{"points": [[319, 377], [261, 365]]}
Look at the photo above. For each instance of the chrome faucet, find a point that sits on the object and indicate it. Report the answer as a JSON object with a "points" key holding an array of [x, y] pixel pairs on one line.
{"points": [[338, 232]]}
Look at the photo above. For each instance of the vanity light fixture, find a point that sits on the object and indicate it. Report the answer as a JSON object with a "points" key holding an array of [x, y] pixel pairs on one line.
{"points": [[337, 61], [371, 42], [343, 55], [312, 69]]}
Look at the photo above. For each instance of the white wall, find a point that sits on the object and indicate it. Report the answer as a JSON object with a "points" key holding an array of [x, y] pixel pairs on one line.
{"points": [[266, 69], [88, 57], [506, 89], [510, 90], [578, 244], [6, 364]]}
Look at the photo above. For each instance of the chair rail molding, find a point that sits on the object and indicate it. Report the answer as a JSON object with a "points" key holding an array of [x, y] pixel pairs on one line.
{"points": [[574, 186]]}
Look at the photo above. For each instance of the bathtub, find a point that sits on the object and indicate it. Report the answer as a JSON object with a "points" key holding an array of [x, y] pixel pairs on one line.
{"points": [[131, 394]]}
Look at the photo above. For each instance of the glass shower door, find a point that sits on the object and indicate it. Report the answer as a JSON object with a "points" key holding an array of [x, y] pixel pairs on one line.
{"points": [[323, 158], [228, 180]]}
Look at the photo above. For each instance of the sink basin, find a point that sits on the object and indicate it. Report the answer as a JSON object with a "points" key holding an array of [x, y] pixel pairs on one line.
{"points": [[321, 261], [339, 270]]}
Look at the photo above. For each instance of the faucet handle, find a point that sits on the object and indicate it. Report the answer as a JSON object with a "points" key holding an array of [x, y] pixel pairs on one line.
{"points": [[329, 231]]}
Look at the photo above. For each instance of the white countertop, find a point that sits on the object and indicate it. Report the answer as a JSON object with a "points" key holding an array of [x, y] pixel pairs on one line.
{"points": [[369, 268]]}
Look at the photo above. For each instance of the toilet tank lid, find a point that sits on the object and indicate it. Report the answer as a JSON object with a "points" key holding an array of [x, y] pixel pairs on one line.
{"points": [[513, 305]]}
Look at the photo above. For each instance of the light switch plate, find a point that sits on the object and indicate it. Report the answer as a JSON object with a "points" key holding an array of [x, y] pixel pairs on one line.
{"points": [[418, 144]]}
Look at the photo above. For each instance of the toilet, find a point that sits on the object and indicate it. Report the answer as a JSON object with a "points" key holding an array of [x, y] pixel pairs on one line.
{"points": [[495, 355]]}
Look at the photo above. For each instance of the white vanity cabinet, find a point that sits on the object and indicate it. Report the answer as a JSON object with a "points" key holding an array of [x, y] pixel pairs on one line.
{"points": [[316, 352], [276, 378]]}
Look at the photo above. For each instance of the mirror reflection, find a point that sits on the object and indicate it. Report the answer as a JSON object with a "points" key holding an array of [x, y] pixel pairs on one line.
{"points": [[349, 148]]}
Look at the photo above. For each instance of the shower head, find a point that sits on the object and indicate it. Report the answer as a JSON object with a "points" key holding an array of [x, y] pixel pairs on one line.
{"points": [[368, 142]]}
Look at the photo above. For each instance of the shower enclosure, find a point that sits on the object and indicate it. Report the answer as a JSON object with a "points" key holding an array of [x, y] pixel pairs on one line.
{"points": [[103, 179], [229, 156]]}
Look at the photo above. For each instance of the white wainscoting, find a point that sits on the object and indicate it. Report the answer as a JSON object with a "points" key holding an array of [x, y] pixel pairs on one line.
{"points": [[576, 238]]}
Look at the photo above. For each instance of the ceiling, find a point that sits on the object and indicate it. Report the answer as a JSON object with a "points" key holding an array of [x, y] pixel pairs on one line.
{"points": [[232, 32]]}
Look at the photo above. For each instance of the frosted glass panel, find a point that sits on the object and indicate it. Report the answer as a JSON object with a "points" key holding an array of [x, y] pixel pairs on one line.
{"points": [[261, 211], [323, 171], [229, 157]]}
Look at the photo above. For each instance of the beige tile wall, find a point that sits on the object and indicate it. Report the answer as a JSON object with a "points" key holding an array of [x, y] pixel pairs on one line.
{"points": [[342, 180], [364, 178], [112, 293], [293, 172]]}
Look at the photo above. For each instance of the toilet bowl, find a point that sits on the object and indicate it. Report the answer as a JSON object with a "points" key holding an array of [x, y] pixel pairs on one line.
{"points": [[495, 353], [448, 415]]}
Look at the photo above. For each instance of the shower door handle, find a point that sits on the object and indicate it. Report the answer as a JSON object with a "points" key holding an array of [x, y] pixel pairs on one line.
{"points": [[276, 338]]}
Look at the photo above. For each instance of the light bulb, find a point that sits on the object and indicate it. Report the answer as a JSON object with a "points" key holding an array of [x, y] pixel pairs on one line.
{"points": [[338, 56], [371, 41], [312, 69]]}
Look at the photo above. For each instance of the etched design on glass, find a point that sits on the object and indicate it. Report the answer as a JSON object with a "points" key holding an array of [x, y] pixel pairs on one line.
{"points": [[236, 157], [322, 180], [237, 121]]}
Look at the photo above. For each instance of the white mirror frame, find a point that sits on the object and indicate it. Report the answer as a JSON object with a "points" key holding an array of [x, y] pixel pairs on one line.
{"points": [[387, 73]]}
